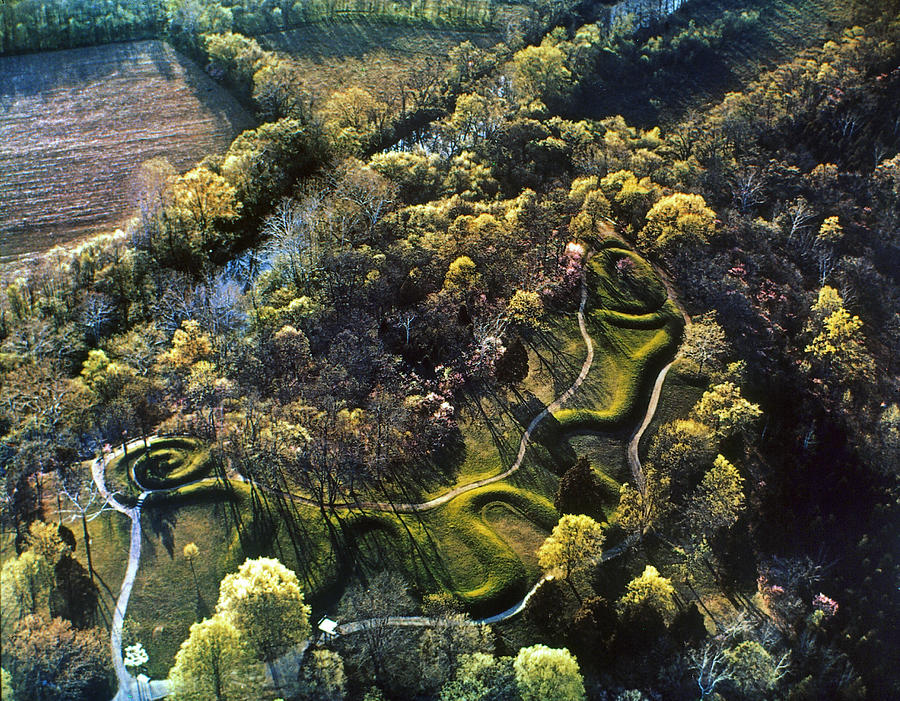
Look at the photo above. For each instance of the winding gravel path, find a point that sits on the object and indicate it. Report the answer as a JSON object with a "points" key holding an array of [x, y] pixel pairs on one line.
{"points": [[128, 685], [634, 460]]}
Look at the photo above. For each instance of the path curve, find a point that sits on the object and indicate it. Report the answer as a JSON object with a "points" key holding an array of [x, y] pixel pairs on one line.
{"points": [[127, 683], [129, 686], [632, 452]]}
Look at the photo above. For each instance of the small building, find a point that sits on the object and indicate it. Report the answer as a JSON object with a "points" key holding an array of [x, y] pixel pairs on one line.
{"points": [[328, 628]]}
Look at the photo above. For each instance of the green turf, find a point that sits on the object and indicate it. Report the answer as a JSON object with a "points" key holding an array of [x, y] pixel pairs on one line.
{"points": [[170, 462], [228, 523], [626, 356], [480, 546], [634, 289]]}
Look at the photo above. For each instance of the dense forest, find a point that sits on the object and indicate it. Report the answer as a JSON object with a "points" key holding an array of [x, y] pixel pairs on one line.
{"points": [[318, 307], [29, 25]]}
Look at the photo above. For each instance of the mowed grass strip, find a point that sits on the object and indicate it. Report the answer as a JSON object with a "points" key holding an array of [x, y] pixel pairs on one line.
{"points": [[75, 126]]}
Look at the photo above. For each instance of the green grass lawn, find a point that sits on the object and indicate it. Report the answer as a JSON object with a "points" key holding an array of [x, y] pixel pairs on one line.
{"points": [[628, 351], [480, 546], [369, 54]]}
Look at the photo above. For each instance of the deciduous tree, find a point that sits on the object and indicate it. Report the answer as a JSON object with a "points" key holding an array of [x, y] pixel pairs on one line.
{"points": [[214, 663], [322, 677], [650, 590], [724, 409], [682, 447], [641, 507], [50, 661], [442, 644], [548, 674], [482, 677], [704, 340], [839, 349], [574, 543], [25, 584], [719, 499], [380, 651], [540, 75], [676, 221], [264, 602], [525, 309]]}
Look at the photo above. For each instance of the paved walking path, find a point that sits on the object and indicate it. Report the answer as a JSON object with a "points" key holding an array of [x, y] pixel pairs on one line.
{"points": [[634, 460], [129, 687]]}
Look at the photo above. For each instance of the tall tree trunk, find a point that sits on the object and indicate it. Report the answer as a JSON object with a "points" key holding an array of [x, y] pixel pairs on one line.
{"points": [[87, 545]]}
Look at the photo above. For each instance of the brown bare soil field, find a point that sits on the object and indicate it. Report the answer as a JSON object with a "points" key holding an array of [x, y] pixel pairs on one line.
{"points": [[75, 126]]}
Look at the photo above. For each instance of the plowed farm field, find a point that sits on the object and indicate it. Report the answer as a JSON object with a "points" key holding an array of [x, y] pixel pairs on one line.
{"points": [[76, 125]]}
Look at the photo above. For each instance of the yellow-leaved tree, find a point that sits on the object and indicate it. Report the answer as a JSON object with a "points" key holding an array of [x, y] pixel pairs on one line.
{"points": [[677, 221], [548, 674], [214, 663], [838, 351], [650, 590], [574, 543], [264, 602]]}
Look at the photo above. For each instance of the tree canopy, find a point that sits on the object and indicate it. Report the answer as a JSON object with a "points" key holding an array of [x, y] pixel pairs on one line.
{"points": [[264, 603], [548, 674]]}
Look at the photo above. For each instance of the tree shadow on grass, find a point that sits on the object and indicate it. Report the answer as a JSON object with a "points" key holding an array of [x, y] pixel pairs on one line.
{"points": [[372, 544], [562, 366], [203, 609], [162, 521], [504, 447]]}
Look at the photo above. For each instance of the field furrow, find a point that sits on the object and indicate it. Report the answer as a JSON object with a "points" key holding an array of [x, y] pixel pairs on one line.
{"points": [[76, 125]]}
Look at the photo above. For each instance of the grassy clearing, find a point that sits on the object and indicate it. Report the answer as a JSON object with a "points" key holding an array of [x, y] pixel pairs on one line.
{"points": [[375, 56], [75, 126], [110, 535], [625, 358], [517, 530], [228, 523], [636, 290], [457, 548], [480, 546]]}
